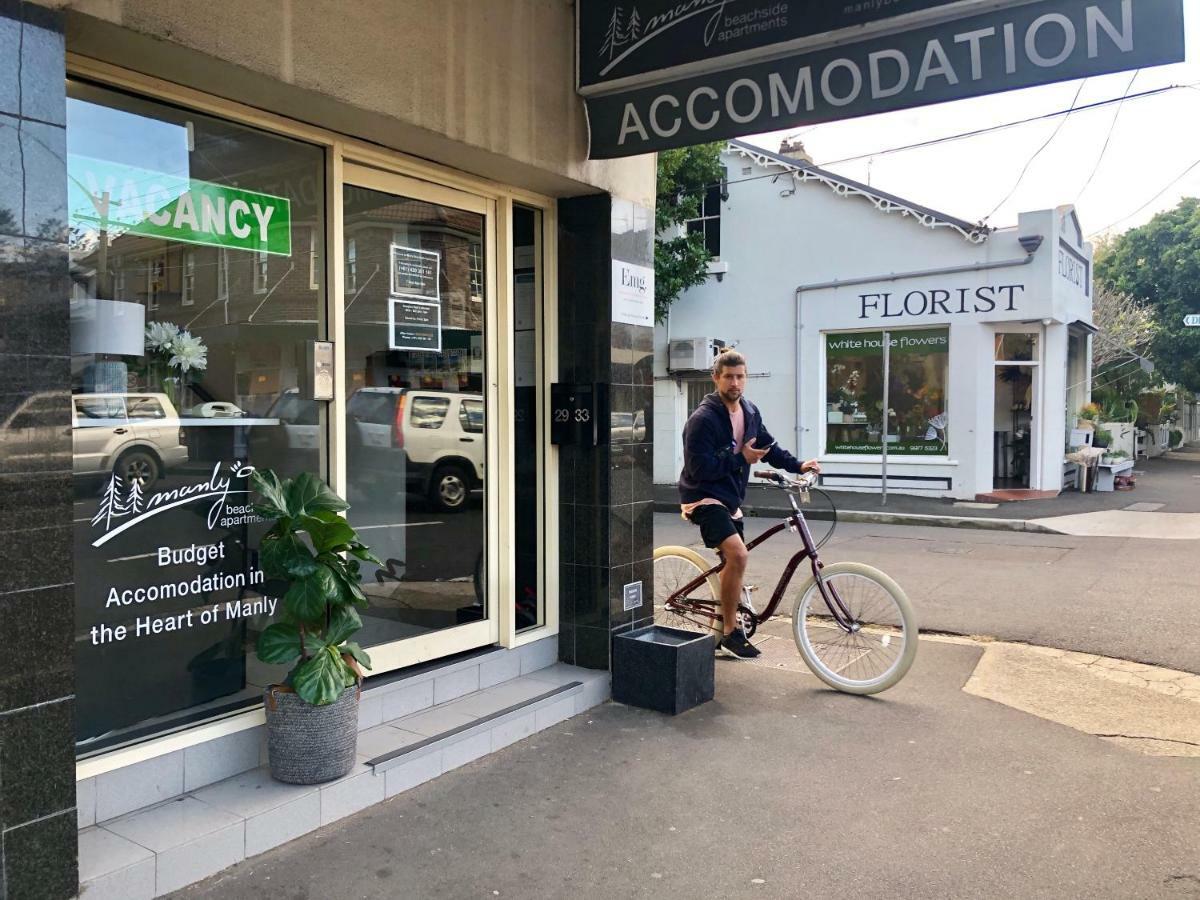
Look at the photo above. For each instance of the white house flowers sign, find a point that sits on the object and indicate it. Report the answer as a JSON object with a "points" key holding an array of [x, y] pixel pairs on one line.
{"points": [[170, 347]]}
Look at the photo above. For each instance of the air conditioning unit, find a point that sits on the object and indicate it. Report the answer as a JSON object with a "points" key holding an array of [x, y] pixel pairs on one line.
{"points": [[693, 354]]}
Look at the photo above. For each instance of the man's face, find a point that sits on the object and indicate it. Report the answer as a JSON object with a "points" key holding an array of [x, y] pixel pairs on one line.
{"points": [[730, 382]]}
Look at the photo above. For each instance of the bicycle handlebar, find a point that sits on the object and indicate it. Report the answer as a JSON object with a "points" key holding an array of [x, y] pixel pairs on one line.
{"points": [[800, 482]]}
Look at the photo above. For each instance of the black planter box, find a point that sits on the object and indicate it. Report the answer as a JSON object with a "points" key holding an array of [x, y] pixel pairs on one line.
{"points": [[663, 669]]}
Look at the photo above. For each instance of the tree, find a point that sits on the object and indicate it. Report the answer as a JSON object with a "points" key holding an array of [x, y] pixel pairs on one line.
{"points": [[1127, 327], [681, 260], [1159, 264]]}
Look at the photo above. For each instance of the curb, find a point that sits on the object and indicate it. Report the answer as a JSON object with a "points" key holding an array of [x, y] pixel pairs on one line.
{"points": [[887, 518]]}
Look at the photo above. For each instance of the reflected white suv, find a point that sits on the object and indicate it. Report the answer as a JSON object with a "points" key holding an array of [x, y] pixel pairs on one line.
{"points": [[137, 436], [435, 438]]}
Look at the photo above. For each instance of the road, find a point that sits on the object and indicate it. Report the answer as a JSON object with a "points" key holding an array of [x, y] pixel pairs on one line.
{"points": [[1122, 597]]}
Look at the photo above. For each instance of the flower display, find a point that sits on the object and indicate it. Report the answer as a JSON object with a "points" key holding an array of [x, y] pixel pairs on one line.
{"points": [[176, 349]]}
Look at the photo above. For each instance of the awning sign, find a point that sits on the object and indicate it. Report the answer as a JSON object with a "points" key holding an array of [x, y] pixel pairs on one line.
{"points": [[121, 199], [724, 96]]}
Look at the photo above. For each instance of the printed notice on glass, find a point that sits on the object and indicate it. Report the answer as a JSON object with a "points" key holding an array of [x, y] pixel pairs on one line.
{"points": [[414, 325], [415, 273], [632, 294]]}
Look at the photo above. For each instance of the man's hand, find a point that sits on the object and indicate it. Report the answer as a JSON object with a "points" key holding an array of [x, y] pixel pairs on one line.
{"points": [[752, 454], [811, 466]]}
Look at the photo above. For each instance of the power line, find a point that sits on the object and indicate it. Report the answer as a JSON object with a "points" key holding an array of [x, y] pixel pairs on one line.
{"points": [[1165, 188], [961, 135], [1111, 128], [1037, 153]]}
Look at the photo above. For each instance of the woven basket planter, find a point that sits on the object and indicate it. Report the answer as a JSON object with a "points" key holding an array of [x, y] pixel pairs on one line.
{"points": [[309, 744]]}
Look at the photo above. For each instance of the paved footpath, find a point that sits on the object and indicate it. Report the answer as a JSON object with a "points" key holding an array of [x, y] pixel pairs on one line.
{"points": [[778, 788]]}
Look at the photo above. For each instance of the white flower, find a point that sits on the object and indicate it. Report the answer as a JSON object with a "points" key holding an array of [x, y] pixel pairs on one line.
{"points": [[160, 335], [188, 352]]}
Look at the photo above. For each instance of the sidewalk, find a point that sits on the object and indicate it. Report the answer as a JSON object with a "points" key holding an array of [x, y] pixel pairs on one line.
{"points": [[1167, 484], [779, 788]]}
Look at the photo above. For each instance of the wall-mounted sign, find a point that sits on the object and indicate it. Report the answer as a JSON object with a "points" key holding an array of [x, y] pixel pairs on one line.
{"points": [[414, 325], [632, 294], [415, 272], [120, 199], [998, 298], [623, 39], [632, 596], [998, 50], [1074, 268]]}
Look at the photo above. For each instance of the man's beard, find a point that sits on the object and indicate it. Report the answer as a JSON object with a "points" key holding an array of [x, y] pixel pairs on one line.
{"points": [[731, 395]]}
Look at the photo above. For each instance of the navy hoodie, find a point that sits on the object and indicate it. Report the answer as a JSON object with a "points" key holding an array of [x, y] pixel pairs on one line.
{"points": [[712, 466]]}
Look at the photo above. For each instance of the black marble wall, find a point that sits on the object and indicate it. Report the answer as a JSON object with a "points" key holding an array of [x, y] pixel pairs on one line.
{"points": [[38, 823], [606, 518]]}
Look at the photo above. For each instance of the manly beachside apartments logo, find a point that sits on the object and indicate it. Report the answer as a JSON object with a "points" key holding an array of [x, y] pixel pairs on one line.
{"points": [[627, 32], [124, 505]]}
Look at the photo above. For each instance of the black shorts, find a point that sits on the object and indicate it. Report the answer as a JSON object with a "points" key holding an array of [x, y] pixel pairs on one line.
{"points": [[716, 524]]}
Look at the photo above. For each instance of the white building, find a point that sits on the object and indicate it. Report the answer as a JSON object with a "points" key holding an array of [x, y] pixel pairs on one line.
{"points": [[989, 332]]}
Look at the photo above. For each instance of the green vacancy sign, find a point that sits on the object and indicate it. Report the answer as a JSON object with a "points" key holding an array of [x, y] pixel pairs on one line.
{"points": [[123, 199]]}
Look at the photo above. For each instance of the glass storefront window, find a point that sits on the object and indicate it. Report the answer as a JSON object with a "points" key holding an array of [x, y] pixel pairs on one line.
{"points": [[191, 308], [415, 428], [1015, 347], [918, 369]]}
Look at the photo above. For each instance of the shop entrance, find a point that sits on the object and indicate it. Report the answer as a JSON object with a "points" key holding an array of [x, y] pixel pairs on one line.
{"points": [[414, 315], [1015, 417]]}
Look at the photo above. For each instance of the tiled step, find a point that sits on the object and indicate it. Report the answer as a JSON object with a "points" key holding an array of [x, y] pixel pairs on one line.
{"points": [[152, 851]]}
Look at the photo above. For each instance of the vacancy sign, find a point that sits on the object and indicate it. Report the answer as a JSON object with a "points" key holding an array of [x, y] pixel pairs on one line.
{"points": [[670, 73], [118, 199]]}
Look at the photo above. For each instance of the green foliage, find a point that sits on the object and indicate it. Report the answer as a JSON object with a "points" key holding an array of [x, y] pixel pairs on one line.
{"points": [[317, 552], [1176, 438], [1159, 263], [680, 262], [1102, 438]]}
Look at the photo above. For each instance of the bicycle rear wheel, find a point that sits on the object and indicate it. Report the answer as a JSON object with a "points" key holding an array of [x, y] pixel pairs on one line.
{"points": [[674, 568], [883, 643]]}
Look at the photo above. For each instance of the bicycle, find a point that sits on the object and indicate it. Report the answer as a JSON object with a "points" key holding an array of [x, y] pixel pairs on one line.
{"points": [[846, 618]]}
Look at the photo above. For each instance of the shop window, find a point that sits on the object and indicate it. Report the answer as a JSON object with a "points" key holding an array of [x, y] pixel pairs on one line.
{"points": [[187, 295], [708, 223], [171, 416], [918, 367], [260, 273], [351, 266]]}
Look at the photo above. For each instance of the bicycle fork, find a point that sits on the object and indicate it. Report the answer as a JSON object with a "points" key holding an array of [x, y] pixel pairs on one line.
{"points": [[837, 607]]}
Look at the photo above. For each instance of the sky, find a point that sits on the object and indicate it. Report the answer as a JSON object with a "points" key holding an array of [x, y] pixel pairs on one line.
{"points": [[1154, 139]]}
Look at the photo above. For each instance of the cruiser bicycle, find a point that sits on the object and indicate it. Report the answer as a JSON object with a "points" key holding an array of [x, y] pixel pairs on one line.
{"points": [[853, 625]]}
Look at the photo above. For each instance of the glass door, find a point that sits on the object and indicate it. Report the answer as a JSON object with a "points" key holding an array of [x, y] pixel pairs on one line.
{"points": [[414, 318]]}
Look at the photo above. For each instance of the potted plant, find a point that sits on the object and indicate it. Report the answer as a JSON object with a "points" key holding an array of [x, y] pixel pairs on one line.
{"points": [[312, 718], [1102, 438], [1089, 414]]}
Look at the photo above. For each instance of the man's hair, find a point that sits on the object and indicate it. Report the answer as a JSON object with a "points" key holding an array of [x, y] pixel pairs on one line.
{"points": [[727, 360]]}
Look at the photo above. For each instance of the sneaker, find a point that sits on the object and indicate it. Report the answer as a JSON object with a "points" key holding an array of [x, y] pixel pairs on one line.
{"points": [[735, 643]]}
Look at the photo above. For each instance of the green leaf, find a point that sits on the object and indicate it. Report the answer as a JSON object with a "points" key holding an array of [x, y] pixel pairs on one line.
{"points": [[348, 589], [327, 536], [307, 494], [309, 597], [279, 643], [321, 680], [286, 557], [343, 622], [357, 652], [313, 644], [361, 551], [274, 505]]}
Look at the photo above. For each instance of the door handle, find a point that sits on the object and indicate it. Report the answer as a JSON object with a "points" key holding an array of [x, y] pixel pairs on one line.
{"points": [[120, 430], [467, 440]]}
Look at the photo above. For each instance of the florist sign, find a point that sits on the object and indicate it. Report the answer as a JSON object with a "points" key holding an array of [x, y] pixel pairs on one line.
{"points": [[121, 199]]}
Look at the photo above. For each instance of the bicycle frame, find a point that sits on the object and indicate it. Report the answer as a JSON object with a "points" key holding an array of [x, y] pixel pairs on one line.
{"points": [[795, 522]]}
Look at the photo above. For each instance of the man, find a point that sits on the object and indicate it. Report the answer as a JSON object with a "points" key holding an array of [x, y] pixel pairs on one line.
{"points": [[723, 438]]}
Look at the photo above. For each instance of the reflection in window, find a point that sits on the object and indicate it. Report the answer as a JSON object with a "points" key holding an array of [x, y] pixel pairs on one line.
{"points": [[1016, 347], [175, 351], [918, 368], [429, 412], [351, 266]]}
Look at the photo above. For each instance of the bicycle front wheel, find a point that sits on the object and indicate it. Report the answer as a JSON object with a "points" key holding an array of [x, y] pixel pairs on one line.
{"points": [[674, 569], [881, 644]]}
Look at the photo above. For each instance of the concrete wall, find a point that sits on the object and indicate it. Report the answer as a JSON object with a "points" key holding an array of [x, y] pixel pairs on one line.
{"points": [[484, 87]]}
